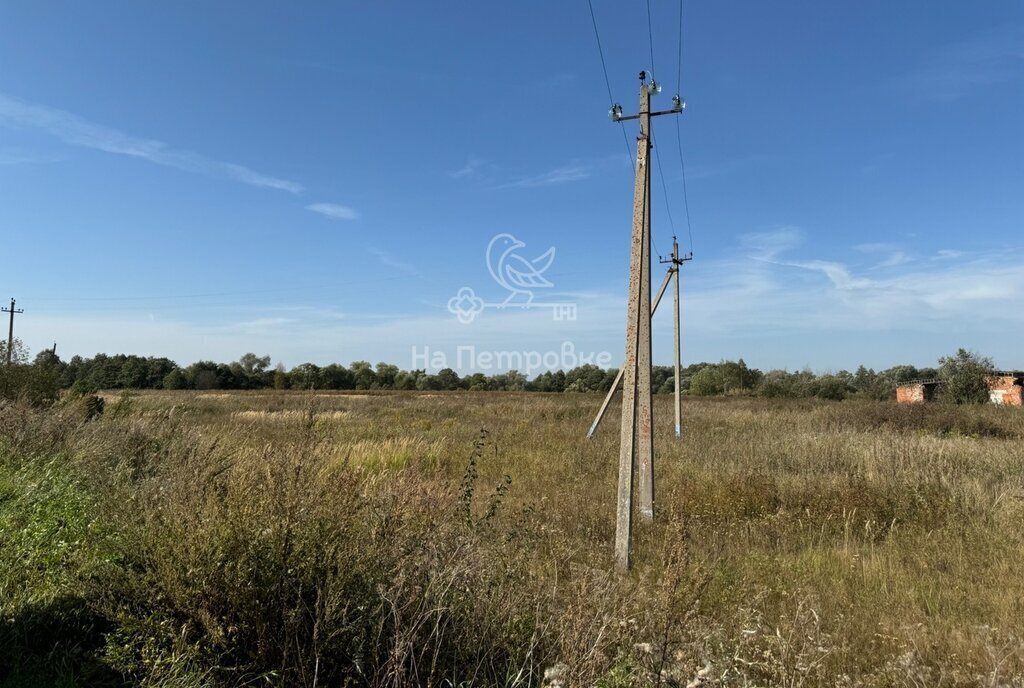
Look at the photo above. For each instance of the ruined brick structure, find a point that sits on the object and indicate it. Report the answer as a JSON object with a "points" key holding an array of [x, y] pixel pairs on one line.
{"points": [[917, 392], [1006, 388]]}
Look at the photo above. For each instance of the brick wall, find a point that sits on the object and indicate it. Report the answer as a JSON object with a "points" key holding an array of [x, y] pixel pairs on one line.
{"points": [[1006, 390], [910, 394]]}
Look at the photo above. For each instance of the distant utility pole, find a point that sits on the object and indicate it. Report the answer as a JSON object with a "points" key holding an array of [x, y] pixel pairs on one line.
{"points": [[673, 273], [10, 331], [636, 448], [676, 262]]}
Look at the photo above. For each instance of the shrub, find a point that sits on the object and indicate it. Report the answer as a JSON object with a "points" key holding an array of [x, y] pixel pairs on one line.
{"points": [[34, 385], [964, 374]]}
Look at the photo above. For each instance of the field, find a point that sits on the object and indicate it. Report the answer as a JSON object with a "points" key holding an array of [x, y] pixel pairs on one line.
{"points": [[456, 539]]}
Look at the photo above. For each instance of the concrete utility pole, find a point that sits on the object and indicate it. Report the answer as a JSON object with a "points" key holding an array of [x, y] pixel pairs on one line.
{"points": [[675, 263], [10, 330], [673, 273], [675, 314], [618, 378], [636, 448]]}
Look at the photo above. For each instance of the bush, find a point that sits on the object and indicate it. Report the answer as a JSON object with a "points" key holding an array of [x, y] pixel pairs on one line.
{"points": [[964, 374], [707, 382], [34, 385]]}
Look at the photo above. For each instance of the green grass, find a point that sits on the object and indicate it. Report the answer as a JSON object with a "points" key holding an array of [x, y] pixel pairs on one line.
{"points": [[48, 544], [396, 539]]}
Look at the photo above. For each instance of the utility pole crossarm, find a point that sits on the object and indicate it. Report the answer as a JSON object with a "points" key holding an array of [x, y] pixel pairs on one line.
{"points": [[678, 104]]}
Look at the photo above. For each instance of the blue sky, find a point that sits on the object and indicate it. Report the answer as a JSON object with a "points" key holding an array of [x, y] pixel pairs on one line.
{"points": [[317, 181]]}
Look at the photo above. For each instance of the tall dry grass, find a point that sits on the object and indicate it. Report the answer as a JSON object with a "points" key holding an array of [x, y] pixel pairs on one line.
{"points": [[464, 539]]}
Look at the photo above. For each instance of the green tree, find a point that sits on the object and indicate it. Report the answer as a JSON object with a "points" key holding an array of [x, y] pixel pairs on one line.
{"points": [[175, 380], [477, 382], [737, 377], [964, 376], [707, 382], [386, 374], [280, 377], [34, 385], [19, 353], [305, 376], [446, 379], [585, 378], [363, 375], [407, 380], [335, 376], [777, 384], [253, 364], [832, 387]]}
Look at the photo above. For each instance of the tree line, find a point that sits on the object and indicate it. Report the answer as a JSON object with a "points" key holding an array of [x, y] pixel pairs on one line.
{"points": [[962, 374]]}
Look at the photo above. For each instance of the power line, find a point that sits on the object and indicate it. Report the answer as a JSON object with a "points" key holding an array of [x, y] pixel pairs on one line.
{"points": [[657, 157], [679, 136], [664, 190], [679, 65], [223, 294], [650, 36], [600, 51], [686, 199], [608, 83]]}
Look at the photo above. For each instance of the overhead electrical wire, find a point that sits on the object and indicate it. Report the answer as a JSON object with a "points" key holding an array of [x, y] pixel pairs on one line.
{"points": [[661, 172], [679, 145], [608, 83], [650, 36], [679, 136], [664, 190]]}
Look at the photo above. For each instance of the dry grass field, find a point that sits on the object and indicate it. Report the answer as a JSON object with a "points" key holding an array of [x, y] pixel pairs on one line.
{"points": [[458, 539]]}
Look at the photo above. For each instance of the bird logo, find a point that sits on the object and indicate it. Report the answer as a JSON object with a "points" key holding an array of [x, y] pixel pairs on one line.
{"points": [[516, 273], [519, 275]]}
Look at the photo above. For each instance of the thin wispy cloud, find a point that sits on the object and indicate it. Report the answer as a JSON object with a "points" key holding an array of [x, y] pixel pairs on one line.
{"points": [[879, 247], [390, 261], [261, 326], [560, 175], [982, 289], [991, 57], [738, 305], [334, 211], [77, 131], [771, 304], [894, 255], [10, 157], [470, 169], [837, 273], [895, 258], [768, 244]]}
